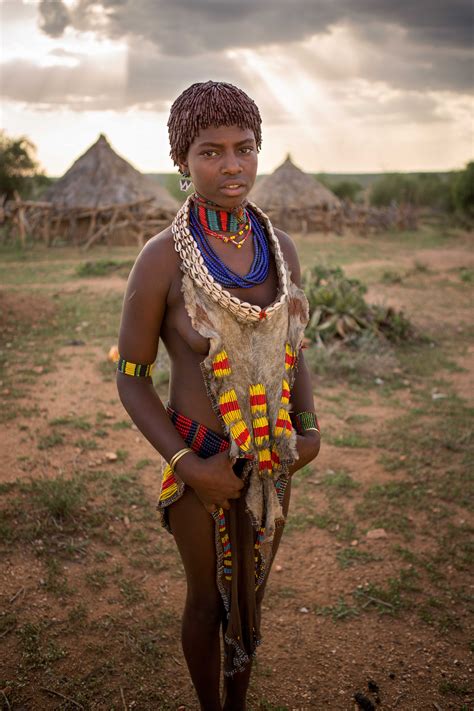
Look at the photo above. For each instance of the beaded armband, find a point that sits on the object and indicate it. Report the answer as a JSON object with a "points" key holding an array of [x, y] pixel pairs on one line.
{"points": [[137, 369], [304, 421]]}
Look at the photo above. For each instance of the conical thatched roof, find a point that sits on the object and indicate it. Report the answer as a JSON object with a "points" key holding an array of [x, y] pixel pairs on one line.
{"points": [[101, 177], [290, 188]]}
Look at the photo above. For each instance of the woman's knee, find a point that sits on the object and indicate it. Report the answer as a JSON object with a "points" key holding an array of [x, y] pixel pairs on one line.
{"points": [[204, 608]]}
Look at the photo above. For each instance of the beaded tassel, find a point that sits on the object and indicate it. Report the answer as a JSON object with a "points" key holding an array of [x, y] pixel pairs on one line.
{"points": [[220, 364], [232, 416]]}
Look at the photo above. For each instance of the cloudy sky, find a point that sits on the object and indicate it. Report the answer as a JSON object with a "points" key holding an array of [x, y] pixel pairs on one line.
{"points": [[343, 85]]}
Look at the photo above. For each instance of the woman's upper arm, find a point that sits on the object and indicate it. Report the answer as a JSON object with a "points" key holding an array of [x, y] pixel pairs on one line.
{"points": [[291, 255], [145, 299]]}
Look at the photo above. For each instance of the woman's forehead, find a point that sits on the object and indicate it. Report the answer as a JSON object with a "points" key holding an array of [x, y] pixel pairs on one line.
{"points": [[223, 134]]}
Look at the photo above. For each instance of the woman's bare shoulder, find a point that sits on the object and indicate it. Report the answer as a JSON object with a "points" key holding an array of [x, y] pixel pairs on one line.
{"points": [[158, 261], [290, 254], [158, 254]]}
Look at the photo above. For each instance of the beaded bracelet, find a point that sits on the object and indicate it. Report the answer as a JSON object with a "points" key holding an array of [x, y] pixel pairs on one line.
{"points": [[305, 421], [136, 369]]}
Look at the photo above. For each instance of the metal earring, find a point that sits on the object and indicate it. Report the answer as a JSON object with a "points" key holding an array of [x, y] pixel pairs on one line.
{"points": [[185, 182]]}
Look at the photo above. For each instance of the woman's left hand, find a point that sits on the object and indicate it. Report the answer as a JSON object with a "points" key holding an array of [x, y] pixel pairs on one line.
{"points": [[308, 449]]}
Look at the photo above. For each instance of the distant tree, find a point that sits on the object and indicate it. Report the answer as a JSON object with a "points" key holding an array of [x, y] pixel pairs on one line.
{"points": [[463, 190], [19, 170], [346, 189], [394, 187], [446, 193]]}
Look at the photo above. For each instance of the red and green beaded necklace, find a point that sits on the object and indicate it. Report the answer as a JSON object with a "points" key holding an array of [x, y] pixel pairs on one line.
{"points": [[229, 226]]}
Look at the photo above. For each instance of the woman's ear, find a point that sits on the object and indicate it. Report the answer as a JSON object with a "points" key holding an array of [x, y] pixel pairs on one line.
{"points": [[183, 168]]}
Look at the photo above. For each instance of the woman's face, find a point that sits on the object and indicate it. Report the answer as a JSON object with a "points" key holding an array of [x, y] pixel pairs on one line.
{"points": [[223, 164]]}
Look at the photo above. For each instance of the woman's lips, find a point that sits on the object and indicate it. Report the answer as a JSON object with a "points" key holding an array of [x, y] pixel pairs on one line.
{"points": [[232, 188]]}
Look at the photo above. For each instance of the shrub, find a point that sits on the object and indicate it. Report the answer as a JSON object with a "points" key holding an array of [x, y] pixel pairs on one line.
{"points": [[338, 310]]}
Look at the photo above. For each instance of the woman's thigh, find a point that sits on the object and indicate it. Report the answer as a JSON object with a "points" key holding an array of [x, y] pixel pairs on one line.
{"points": [[193, 529]]}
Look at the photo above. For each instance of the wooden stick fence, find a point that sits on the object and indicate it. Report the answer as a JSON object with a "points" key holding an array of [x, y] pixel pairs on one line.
{"points": [[83, 226], [140, 220]]}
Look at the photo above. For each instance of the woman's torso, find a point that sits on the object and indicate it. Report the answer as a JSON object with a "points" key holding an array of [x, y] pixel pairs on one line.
{"points": [[187, 348]]}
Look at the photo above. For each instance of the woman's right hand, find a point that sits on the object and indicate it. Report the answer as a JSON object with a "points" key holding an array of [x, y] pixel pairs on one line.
{"points": [[213, 479]]}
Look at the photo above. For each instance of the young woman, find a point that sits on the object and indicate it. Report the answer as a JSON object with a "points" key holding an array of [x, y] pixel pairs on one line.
{"points": [[220, 287]]}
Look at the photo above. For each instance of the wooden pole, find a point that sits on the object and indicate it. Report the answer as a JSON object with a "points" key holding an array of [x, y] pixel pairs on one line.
{"points": [[19, 219]]}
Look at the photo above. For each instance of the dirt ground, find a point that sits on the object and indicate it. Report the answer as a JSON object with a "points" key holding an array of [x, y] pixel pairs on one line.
{"points": [[370, 601]]}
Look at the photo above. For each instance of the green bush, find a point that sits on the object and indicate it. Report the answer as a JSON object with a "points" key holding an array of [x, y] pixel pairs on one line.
{"points": [[463, 190], [19, 169], [421, 190], [346, 189], [338, 310]]}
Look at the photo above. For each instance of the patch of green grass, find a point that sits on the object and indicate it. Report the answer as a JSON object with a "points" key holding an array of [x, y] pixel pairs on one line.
{"points": [[6, 487], [349, 556], [78, 423], [339, 483], [8, 413], [122, 425], [138, 535], [122, 455], [466, 274], [348, 439], [424, 359], [391, 276], [356, 364], [51, 440], [77, 616], [357, 419], [340, 611], [391, 599], [100, 433], [102, 418], [86, 444], [61, 498], [452, 687], [420, 267], [56, 581], [104, 267], [131, 592], [433, 443], [35, 651], [298, 521], [96, 579], [142, 463]]}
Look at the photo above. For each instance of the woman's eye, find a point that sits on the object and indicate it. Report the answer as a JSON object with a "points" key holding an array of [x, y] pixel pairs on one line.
{"points": [[246, 149], [209, 153]]}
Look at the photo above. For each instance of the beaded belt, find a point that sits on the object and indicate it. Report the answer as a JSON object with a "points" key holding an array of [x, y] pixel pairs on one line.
{"points": [[202, 440]]}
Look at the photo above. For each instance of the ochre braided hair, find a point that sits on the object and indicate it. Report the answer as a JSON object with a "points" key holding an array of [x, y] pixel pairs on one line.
{"points": [[210, 103]]}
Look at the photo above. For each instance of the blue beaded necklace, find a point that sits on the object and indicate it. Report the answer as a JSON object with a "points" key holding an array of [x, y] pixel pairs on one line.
{"points": [[225, 276]]}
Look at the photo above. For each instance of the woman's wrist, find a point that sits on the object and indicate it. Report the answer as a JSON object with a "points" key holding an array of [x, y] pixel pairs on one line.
{"points": [[187, 468]]}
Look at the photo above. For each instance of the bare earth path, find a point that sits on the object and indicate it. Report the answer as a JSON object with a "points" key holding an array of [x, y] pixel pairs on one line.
{"points": [[370, 600]]}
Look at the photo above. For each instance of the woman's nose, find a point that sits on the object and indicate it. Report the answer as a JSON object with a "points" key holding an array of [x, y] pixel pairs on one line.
{"points": [[231, 165]]}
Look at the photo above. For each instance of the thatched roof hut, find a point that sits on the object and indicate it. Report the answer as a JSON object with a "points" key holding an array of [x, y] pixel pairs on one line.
{"points": [[102, 197], [292, 198], [101, 177]]}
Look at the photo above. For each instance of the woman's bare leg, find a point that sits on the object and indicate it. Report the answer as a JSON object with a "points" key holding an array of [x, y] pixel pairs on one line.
{"points": [[235, 687], [193, 530]]}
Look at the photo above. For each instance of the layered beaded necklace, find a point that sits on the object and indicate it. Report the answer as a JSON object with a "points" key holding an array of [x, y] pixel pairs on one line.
{"points": [[194, 267], [220, 223], [204, 213]]}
